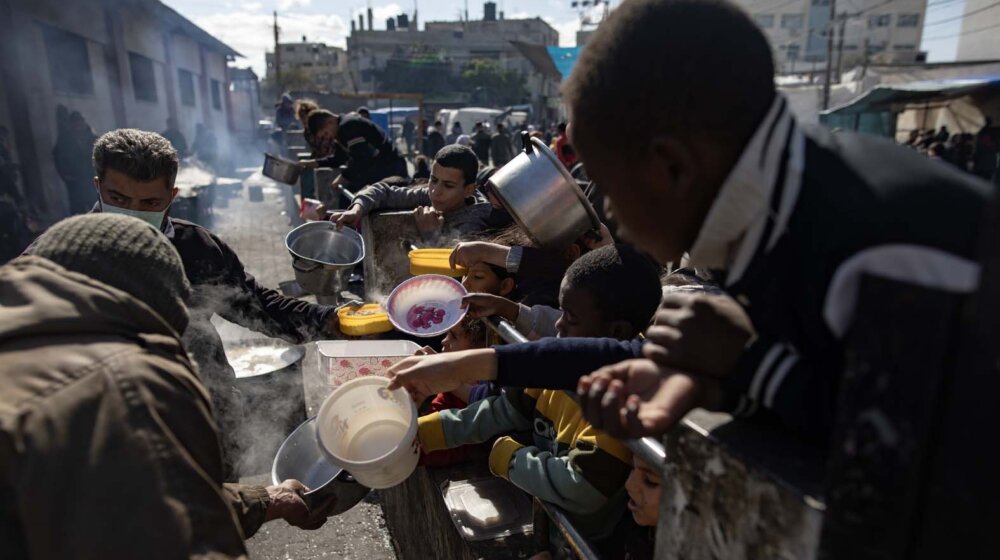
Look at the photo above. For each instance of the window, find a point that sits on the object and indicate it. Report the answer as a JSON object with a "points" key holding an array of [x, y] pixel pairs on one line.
{"points": [[143, 77], [908, 20], [185, 80], [793, 52], [216, 95], [69, 61], [905, 47], [821, 3], [879, 20], [791, 21], [765, 21]]}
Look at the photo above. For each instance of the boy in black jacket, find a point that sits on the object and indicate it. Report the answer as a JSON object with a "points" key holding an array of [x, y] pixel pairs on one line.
{"points": [[791, 219]]}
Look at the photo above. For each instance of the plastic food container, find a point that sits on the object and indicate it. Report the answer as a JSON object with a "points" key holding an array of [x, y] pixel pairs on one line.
{"points": [[433, 261], [370, 431], [366, 320], [344, 360], [486, 508], [427, 305]]}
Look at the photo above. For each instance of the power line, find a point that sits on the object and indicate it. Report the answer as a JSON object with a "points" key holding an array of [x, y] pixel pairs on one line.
{"points": [[963, 16], [968, 32]]}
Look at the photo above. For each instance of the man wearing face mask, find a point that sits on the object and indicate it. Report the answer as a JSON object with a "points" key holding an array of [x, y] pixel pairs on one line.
{"points": [[135, 177]]}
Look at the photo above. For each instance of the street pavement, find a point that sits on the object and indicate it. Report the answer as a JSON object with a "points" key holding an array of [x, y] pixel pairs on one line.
{"points": [[253, 221]]}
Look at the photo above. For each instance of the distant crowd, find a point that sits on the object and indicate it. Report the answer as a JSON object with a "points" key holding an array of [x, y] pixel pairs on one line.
{"points": [[977, 153]]}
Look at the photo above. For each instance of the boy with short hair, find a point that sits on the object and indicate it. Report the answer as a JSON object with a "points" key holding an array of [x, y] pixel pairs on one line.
{"points": [[612, 291], [449, 205]]}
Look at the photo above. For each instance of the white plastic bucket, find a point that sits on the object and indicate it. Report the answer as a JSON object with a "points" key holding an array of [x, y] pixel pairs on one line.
{"points": [[370, 431]]}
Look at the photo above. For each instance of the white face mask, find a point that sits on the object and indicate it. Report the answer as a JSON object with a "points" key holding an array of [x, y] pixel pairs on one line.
{"points": [[154, 219]]}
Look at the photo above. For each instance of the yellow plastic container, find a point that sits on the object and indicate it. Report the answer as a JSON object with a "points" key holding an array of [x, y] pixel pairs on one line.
{"points": [[433, 261], [366, 320]]}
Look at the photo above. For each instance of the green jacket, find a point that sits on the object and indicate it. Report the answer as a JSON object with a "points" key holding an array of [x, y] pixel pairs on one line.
{"points": [[571, 464], [107, 444]]}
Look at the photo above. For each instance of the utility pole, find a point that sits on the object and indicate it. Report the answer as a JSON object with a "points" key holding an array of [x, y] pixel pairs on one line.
{"points": [[840, 45], [829, 55], [277, 53]]}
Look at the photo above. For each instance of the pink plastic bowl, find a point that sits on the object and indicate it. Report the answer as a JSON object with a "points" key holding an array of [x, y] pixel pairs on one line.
{"points": [[427, 305]]}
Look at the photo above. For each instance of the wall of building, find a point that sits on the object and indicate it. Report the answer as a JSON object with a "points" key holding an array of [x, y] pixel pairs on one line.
{"points": [[108, 31], [797, 30], [978, 40]]}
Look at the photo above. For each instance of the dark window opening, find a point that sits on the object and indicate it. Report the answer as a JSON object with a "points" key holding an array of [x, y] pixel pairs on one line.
{"points": [[185, 80], [143, 77], [69, 61], [216, 95]]}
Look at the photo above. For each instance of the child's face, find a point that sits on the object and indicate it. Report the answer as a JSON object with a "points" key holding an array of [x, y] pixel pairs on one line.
{"points": [[482, 280], [457, 339], [447, 188], [580, 315], [643, 487]]}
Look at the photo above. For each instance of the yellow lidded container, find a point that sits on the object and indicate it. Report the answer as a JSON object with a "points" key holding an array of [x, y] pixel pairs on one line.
{"points": [[433, 261], [365, 320]]}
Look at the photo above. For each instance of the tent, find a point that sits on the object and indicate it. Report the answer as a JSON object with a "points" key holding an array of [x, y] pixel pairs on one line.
{"points": [[396, 115], [960, 102]]}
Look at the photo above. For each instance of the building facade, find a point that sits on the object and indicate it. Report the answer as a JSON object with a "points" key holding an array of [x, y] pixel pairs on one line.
{"points": [[798, 31], [324, 66], [980, 28], [119, 63], [454, 44]]}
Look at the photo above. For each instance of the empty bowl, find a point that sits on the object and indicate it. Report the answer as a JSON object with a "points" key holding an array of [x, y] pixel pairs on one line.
{"points": [[427, 305]]}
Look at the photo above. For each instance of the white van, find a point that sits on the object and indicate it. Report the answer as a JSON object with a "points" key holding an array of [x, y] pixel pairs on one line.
{"points": [[468, 116]]}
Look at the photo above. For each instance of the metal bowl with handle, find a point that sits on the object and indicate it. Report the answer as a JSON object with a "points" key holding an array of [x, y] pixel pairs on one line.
{"points": [[281, 170], [300, 458], [320, 252], [543, 198]]}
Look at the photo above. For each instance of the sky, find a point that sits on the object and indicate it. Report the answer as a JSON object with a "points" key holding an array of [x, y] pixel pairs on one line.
{"points": [[246, 25]]}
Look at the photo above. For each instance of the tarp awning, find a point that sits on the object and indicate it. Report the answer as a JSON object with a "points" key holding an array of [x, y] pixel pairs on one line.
{"points": [[885, 98]]}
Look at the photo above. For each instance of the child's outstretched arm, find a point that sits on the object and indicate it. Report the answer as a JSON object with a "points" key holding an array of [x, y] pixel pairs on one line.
{"points": [[382, 196], [475, 423]]}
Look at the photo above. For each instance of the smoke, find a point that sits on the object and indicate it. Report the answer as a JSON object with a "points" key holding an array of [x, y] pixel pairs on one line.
{"points": [[255, 413]]}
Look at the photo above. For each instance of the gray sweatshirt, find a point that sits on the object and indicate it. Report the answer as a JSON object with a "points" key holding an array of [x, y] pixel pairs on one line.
{"points": [[467, 219]]}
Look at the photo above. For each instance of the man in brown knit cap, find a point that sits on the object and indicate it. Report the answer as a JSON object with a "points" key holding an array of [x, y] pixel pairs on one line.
{"points": [[108, 448]]}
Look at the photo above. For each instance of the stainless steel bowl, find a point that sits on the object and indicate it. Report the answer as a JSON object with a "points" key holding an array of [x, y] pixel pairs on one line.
{"points": [[300, 458], [543, 198], [281, 170], [320, 253]]}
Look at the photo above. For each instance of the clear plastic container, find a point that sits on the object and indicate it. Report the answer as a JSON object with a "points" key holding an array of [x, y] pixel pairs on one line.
{"points": [[487, 508], [344, 360]]}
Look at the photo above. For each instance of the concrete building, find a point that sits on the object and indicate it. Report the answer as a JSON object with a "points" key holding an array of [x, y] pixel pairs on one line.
{"points": [[119, 63], [456, 43], [325, 66], [980, 28], [798, 30]]}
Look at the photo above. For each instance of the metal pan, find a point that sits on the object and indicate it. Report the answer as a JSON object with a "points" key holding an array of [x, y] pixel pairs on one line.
{"points": [[281, 170]]}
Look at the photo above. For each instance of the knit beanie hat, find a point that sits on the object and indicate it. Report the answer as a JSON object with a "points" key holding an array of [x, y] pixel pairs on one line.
{"points": [[125, 253]]}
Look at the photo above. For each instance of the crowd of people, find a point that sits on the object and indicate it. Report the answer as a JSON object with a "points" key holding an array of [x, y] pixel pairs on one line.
{"points": [[977, 153], [724, 278]]}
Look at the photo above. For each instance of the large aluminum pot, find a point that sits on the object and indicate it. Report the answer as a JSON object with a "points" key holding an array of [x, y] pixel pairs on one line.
{"points": [[543, 198], [300, 458], [320, 252], [281, 170]]}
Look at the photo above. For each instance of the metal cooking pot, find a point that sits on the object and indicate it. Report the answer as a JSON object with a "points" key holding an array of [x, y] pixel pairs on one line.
{"points": [[320, 252], [543, 198], [281, 170], [300, 458]]}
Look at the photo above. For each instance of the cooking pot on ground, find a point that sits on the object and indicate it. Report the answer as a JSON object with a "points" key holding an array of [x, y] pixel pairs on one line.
{"points": [[543, 198], [300, 458], [281, 170], [320, 253]]}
